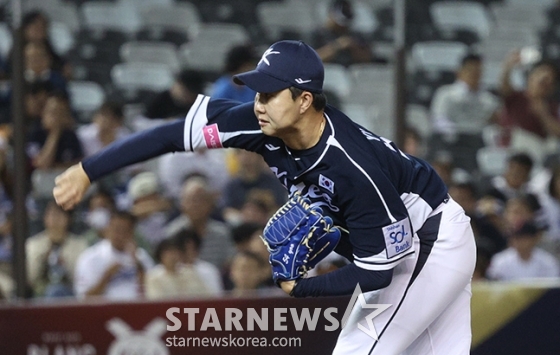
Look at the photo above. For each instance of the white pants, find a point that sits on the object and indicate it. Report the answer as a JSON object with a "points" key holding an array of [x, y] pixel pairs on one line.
{"points": [[430, 314]]}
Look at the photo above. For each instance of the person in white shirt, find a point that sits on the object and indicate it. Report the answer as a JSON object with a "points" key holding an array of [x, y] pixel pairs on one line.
{"points": [[114, 267], [210, 274], [460, 111], [171, 278], [106, 127], [523, 260]]}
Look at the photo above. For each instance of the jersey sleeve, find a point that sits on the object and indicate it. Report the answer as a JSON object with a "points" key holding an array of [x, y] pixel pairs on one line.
{"points": [[219, 123]]}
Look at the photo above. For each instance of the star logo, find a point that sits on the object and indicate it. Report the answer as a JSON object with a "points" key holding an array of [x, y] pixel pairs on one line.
{"points": [[357, 296], [265, 55]]}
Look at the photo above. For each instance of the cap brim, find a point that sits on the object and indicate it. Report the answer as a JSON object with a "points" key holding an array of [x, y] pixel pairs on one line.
{"points": [[260, 82]]}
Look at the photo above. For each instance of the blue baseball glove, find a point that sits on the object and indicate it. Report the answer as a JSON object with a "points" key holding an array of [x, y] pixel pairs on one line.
{"points": [[298, 236]]}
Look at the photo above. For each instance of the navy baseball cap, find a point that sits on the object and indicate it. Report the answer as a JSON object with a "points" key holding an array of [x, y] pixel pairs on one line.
{"points": [[285, 64]]}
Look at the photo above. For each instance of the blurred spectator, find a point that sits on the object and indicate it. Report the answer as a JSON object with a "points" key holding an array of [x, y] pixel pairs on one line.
{"points": [[533, 109], [36, 96], [486, 223], [253, 174], [513, 182], [247, 273], [100, 206], [520, 210], [550, 202], [259, 207], [171, 278], [482, 264], [149, 207], [242, 234], [52, 254], [114, 267], [413, 144], [107, 126], [176, 102], [174, 168], [208, 273], [197, 204], [459, 113], [39, 66], [6, 239], [335, 42], [442, 162], [6, 286], [54, 144], [35, 25], [523, 260], [238, 60]]}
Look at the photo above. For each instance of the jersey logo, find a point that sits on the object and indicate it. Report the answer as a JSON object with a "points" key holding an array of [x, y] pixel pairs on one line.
{"points": [[271, 147], [212, 136], [266, 54], [398, 238], [326, 183], [301, 81]]}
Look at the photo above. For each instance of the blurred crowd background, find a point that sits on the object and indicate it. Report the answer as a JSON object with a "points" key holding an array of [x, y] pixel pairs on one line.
{"points": [[482, 107]]}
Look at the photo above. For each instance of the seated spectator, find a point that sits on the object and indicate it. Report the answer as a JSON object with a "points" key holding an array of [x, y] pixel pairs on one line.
{"points": [[208, 273], [533, 109], [107, 126], [247, 273], [149, 207], [253, 174], [176, 102], [413, 143], [171, 278], [52, 255], [486, 223], [520, 210], [335, 42], [460, 111], [39, 66], [238, 60], [197, 204], [550, 202], [114, 267], [35, 26], [36, 95], [259, 207], [174, 168], [6, 240], [54, 144], [100, 205], [523, 260], [513, 182], [242, 235], [7, 287]]}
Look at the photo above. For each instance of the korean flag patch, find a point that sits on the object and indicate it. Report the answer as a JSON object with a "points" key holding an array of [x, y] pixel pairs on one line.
{"points": [[326, 183]]}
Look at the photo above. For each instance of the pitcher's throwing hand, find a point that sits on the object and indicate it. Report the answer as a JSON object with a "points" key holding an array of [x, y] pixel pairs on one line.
{"points": [[70, 187]]}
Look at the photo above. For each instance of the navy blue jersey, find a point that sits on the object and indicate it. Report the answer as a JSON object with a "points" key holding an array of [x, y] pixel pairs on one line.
{"points": [[380, 195]]}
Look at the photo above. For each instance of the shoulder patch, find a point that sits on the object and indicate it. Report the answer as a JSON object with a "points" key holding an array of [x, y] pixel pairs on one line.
{"points": [[398, 237]]}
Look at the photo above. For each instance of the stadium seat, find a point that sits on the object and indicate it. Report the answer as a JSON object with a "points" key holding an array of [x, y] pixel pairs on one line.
{"points": [[211, 42], [61, 37], [183, 17], [142, 76], [279, 20], [461, 15], [492, 161], [5, 40], [372, 84], [151, 52], [86, 97], [337, 80], [418, 117], [110, 16], [438, 55]]}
